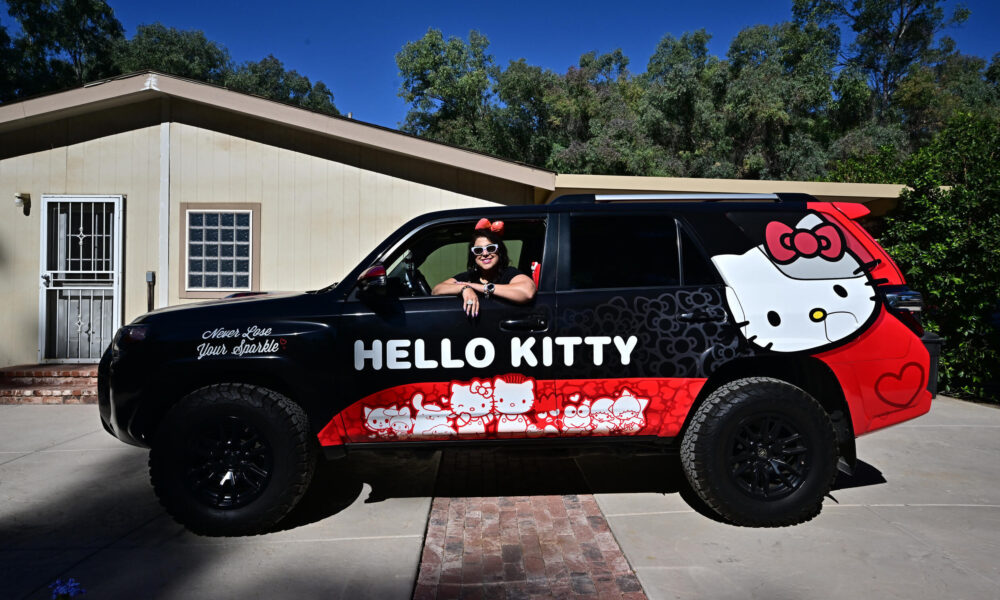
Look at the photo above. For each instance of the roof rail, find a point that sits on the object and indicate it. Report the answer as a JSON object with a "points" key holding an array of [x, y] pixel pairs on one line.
{"points": [[700, 197]]}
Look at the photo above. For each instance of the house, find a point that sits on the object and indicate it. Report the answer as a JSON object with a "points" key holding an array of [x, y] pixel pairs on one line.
{"points": [[153, 190]]}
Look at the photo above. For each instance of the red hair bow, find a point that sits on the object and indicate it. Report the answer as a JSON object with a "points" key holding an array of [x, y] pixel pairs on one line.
{"points": [[496, 226], [785, 244]]}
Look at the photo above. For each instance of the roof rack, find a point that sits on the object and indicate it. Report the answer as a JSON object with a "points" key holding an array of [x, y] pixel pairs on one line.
{"points": [[679, 197], [702, 197]]}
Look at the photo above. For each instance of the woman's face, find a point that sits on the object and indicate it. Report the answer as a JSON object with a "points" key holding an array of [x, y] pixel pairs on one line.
{"points": [[486, 260]]}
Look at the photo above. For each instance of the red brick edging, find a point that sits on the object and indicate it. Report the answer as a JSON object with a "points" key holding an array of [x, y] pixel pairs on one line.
{"points": [[522, 547]]}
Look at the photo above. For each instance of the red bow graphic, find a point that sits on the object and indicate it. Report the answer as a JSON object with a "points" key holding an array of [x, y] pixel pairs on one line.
{"points": [[785, 244], [495, 227]]}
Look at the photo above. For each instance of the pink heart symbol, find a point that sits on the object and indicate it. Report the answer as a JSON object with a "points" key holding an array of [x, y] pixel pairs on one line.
{"points": [[900, 389]]}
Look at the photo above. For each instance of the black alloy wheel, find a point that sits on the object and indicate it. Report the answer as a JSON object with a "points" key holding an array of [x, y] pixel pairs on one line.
{"points": [[232, 459], [230, 463], [768, 457], [760, 452]]}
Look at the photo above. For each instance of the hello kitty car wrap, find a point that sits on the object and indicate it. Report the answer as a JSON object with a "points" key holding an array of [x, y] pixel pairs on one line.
{"points": [[633, 406], [808, 288]]}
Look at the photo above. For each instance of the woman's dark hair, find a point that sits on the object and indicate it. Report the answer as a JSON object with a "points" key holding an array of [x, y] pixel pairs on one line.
{"points": [[503, 261]]}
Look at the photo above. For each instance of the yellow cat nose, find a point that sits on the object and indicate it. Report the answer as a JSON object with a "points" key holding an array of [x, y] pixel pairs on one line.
{"points": [[817, 314]]}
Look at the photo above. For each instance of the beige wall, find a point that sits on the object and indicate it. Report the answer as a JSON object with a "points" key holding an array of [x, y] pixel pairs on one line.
{"points": [[123, 163], [318, 217]]}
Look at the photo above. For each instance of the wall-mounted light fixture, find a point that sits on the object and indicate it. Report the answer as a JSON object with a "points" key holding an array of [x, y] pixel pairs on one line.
{"points": [[22, 200]]}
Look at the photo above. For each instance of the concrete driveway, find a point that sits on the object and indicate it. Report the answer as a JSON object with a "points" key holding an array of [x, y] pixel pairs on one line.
{"points": [[75, 502], [921, 519]]}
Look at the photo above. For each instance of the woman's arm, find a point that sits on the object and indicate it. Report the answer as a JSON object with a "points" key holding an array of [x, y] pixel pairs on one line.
{"points": [[466, 290], [520, 290]]}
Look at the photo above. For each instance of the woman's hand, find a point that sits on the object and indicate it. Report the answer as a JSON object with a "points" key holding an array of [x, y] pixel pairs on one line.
{"points": [[470, 301]]}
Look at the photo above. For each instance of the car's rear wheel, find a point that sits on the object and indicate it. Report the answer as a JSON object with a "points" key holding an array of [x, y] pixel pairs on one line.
{"points": [[760, 452], [232, 459]]}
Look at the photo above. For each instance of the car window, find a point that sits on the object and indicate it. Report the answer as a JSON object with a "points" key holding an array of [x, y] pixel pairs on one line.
{"points": [[696, 269], [609, 251], [439, 252]]}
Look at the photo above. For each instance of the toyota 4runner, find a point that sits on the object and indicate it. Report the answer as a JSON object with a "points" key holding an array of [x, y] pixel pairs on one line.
{"points": [[756, 335]]}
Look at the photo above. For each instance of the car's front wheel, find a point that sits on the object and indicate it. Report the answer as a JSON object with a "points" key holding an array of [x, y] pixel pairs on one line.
{"points": [[232, 459], [760, 452]]}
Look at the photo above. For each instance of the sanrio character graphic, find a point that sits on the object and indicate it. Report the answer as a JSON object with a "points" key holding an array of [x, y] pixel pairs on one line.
{"points": [[576, 417], [472, 405], [604, 421], [546, 423], [512, 399], [629, 412], [801, 289], [402, 422], [379, 420], [431, 420]]}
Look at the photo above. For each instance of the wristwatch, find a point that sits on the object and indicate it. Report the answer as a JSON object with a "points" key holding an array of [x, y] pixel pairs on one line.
{"points": [[489, 287]]}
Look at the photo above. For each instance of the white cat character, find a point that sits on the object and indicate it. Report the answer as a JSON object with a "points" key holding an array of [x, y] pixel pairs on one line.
{"points": [[473, 407], [604, 421], [576, 417], [379, 420], [629, 412], [512, 400], [402, 423], [799, 290], [431, 420]]}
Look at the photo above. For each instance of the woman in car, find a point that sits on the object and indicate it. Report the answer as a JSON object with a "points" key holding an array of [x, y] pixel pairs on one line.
{"points": [[489, 272]]}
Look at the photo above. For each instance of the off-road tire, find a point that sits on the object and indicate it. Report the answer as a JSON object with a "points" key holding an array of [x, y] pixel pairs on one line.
{"points": [[714, 448], [282, 443]]}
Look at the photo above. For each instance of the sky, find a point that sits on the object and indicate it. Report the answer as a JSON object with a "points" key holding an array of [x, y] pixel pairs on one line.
{"points": [[352, 46]]}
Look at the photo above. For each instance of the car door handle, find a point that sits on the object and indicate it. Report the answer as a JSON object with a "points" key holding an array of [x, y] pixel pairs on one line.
{"points": [[701, 316], [529, 323]]}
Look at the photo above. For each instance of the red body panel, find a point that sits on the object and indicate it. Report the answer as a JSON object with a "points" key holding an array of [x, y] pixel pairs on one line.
{"points": [[575, 407], [883, 373], [859, 241]]}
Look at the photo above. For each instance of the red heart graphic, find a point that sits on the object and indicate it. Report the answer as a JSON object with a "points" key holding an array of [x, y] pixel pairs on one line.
{"points": [[283, 341], [901, 389]]}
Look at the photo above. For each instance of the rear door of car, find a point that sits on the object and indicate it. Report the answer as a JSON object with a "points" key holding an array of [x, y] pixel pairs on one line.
{"points": [[644, 312]]}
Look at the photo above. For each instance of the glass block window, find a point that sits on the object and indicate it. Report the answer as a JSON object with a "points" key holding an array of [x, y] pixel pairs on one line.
{"points": [[219, 250]]}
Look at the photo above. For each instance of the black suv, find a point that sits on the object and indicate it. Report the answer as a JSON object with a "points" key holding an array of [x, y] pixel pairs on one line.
{"points": [[757, 335]]}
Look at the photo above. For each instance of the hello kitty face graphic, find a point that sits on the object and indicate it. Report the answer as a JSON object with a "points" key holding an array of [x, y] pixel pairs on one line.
{"points": [[513, 398], [802, 289], [475, 399]]}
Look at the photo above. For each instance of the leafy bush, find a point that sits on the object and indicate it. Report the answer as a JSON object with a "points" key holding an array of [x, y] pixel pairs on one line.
{"points": [[946, 238]]}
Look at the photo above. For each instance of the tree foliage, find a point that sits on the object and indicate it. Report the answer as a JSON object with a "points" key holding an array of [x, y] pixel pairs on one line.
{"points": [[946, 237], [66, 43]]}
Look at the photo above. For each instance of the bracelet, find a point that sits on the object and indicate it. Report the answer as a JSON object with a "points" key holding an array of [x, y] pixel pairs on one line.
{"points": [[465, 287]]}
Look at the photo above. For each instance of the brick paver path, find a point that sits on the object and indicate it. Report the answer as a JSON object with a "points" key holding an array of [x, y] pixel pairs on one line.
{"points": [[539, 543]]}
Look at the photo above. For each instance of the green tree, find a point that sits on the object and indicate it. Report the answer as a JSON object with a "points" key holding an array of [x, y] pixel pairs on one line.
{"points": [[449, 85], [269, 79], [522, 125], [777, 99], [946, 237], [682, 108], [168, 50], [890, 37], [64, 43]]}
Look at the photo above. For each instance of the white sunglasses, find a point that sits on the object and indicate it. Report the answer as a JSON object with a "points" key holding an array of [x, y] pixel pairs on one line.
{"points": [[487, 249]]}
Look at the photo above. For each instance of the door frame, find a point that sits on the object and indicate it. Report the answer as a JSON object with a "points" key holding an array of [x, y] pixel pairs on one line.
{"points": [[118, 202]]}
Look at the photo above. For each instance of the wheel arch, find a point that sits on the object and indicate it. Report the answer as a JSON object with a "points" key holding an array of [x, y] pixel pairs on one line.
{"points": [[181, 380], [805, 372]]}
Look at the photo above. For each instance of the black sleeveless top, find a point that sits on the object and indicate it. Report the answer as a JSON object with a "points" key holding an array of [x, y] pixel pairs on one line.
{"points": [[503, 277]]}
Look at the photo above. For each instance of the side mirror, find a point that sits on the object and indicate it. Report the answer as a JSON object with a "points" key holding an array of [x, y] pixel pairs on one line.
{"points": [[373, 280]]}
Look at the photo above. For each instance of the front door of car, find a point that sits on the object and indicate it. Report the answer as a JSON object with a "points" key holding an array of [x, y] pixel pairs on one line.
{"points": [[416, 367], [647, 313]]}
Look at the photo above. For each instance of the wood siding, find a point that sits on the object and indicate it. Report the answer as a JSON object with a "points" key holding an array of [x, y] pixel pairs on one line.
{"points": [[122, 163], [318, 217]]}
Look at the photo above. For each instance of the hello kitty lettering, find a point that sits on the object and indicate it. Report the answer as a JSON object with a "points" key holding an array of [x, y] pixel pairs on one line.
{"points": [[802, 289]]}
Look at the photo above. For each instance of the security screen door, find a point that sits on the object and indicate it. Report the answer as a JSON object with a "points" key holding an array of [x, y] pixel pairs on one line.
{"points": [[80, 289]]}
